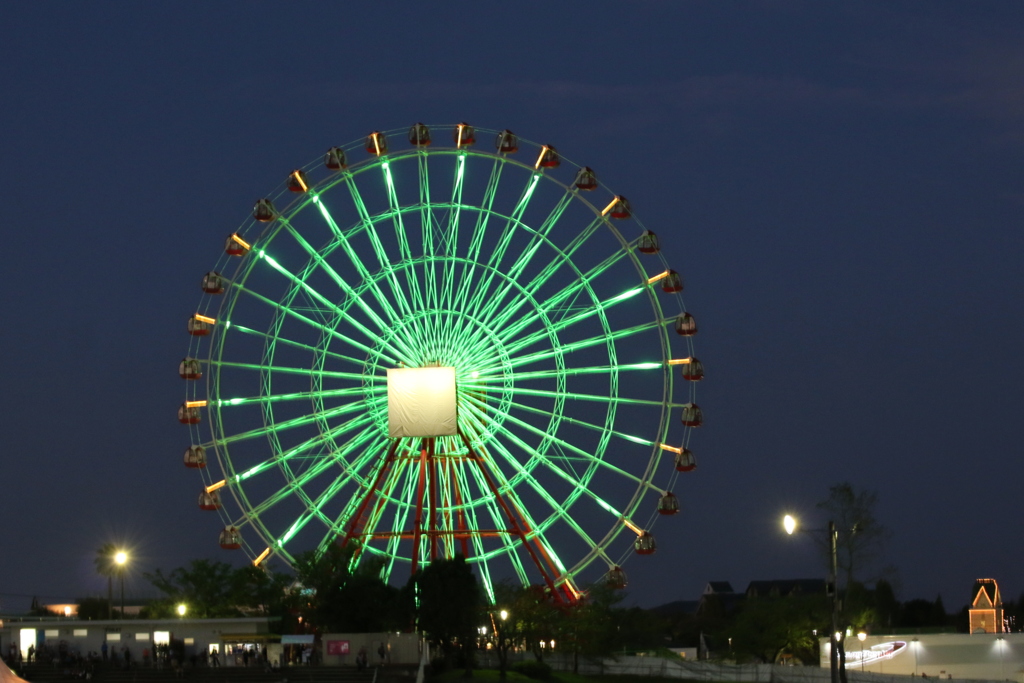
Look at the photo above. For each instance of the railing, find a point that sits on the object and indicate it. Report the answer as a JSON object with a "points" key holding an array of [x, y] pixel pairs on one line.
{"points": [[715, 671]]}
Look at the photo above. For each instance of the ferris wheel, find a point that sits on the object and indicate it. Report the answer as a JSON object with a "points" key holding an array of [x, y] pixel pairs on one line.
{"points": [[420, 346]]}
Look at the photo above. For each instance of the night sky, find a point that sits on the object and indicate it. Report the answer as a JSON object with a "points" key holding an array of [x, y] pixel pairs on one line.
{"points": [[840, 185]]}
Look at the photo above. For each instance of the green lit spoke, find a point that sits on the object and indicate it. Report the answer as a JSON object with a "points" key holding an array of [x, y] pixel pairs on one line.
{"points": [[302, 285], [497, 255], [355, 406], [579, 486], [298, 371], [576, 345], [288, 342], [378, 354], [591, 370], [404, 251], [596, 307], [597, 428], [538, 238], [296, 484], [558, 510], [477, 239], [322, 393], [300, 450], [383, 260]]}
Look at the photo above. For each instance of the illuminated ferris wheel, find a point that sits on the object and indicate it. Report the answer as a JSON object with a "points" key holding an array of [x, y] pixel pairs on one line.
{"points": [[434, 348]]}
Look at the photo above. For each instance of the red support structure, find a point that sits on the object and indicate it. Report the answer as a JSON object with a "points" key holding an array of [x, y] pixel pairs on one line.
{"points": [[516, 524], [432, 532], [355, 527], [418, 523]]}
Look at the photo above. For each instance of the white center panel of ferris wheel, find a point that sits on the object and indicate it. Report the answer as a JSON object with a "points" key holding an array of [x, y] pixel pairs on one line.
{"points": [[422, 402]]}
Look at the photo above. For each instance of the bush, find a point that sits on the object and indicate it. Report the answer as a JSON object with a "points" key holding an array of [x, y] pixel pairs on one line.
{"points": [[532, 669]]}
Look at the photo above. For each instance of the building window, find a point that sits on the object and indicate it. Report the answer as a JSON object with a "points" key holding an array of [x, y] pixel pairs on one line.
{"points": [[113, 637], [141, 636], [81, 632]]}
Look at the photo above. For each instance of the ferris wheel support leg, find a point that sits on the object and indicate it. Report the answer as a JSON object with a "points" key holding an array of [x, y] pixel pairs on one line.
{"points": [[432, 533], [355, 527], [460, 514], [418, 523], [517, 528]]}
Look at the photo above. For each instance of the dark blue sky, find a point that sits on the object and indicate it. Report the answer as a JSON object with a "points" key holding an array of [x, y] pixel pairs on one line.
{"points": [[841, 184]]}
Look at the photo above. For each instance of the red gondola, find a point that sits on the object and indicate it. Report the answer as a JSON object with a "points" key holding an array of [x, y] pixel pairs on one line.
{"points": [[692, 415], [693, 371], [668, 504], [189, 368], [195, 457], [548, 158], [686, 326], [644, 543], [297, 182], [586, 179], [672, 283], [236, 246], [648, 243], [213, 283], [198, 327], [189, 415], [230, 538], [506, 142], [376, 143], [685, 462], [463, 135], [615, 578], [619, 208], [419, 135], [334, 160], [264, 211], [209, 500]]}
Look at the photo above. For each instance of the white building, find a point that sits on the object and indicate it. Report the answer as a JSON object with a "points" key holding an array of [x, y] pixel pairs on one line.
{"points": [[984, 656]]}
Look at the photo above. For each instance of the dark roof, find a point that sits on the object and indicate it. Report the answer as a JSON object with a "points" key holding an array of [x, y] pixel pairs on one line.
{"points": [[670, 609], [718, 587], [785, 587]]}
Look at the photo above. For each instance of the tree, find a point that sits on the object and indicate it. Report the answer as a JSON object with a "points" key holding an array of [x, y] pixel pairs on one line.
{"points": [[334, 598], [205, 586], [449, 606], [106, 566], [588, 628], [861, 537], [765, 628]]}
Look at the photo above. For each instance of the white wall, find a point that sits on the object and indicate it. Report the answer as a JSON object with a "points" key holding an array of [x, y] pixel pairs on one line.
{"points": [[986, 656]]}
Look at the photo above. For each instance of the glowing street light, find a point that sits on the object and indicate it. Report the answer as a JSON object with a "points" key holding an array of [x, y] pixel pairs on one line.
{"points": [[862, 637], [789, 523], [181, 610]]}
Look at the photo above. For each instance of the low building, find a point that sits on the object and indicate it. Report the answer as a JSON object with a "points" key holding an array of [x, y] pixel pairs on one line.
{"points": [[229, 638]]}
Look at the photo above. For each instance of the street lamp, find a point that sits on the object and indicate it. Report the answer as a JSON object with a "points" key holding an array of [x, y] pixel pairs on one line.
{"points": [[181, 610], [790, 524], [862, 637], [121, 558]]}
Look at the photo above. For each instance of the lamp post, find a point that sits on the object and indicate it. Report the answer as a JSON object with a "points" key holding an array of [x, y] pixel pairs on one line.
{"points": [[861, 637], [121, 558], [790, 524]]}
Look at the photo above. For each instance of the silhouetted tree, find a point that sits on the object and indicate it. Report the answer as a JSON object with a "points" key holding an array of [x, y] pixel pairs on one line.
{"points": [[449, 606]]}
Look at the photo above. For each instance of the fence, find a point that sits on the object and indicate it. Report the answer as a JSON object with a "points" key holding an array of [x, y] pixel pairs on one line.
{"points": [[714, 671]]}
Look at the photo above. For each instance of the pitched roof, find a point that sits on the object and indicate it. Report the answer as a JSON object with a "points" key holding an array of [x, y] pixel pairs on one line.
{"points": [[991, 590], [718, 587]]}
